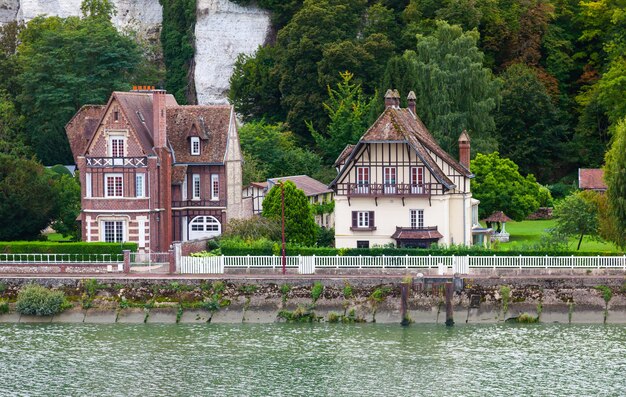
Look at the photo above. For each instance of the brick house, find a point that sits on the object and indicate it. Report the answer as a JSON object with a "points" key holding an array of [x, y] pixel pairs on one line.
{"points": [[153, 171], [398, 186]]}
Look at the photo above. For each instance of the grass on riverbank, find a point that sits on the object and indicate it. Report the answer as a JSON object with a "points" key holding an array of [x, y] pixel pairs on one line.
{"points": [[527, 233]]}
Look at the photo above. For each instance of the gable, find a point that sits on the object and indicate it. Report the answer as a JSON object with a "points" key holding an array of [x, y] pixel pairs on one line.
{"points": [[81, 128]]}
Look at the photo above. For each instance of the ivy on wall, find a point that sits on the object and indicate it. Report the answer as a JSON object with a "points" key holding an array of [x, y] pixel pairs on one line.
{"points": [[177, 39]]}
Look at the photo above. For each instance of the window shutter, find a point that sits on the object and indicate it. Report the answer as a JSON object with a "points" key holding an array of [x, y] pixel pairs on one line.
{"points": [[372, 223], [354, 218]]}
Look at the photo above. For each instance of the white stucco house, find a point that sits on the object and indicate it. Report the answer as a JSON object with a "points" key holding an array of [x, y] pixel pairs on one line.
{"points": [[398, 186]]}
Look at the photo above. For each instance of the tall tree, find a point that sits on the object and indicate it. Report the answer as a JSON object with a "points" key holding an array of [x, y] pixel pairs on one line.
{"points": [[66, 63], [454, 91], [500, 187], [615, 177], [27, 198], [576, 215], [528, 125], [347, 110], [299, 223]]}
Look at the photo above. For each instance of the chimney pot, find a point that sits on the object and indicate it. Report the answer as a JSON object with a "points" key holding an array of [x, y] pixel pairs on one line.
{"points": [[389, 100], [411, 99]]}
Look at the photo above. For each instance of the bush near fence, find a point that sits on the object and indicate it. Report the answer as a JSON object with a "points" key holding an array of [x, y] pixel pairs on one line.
{"points": [[45, 247], [230, 248]]}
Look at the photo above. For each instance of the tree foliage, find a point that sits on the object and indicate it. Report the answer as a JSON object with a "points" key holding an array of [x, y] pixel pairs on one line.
{"points": [[65, 63], [300, 226], [577, 215], [500, 187], [347, 110], [27, 198], [615, 177]]}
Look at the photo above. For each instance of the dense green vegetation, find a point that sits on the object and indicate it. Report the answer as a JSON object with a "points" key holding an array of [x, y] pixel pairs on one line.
{"points": [[537, 80]]}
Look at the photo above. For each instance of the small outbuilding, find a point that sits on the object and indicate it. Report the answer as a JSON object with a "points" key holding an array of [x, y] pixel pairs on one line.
{"points": [[500, 219]]}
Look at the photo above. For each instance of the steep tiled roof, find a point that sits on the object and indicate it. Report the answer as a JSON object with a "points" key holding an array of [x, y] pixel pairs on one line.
{"points": [[310, 186], [345, 153], [214, 121], [82, 126], [591, 178], [178, 173], [401, 125]]}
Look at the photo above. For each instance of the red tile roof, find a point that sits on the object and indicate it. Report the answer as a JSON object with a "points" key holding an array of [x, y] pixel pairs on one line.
{"points": [[429, 233], [310, 186], [498, 216], [591, 178], [82, 126]]}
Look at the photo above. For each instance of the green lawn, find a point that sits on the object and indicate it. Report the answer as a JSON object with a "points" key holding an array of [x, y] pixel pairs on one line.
{"points": [[527, 233], [57, 237]]}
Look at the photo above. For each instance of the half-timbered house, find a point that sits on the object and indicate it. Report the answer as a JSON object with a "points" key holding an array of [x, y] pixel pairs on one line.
{"points": [[152, 171], [398, 186]]}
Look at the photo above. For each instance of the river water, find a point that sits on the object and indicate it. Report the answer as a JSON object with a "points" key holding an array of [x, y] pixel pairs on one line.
{"points": [[312, 360]]}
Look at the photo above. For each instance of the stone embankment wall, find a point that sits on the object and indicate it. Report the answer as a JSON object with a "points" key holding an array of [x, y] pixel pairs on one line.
{"points": [[493, 300]]}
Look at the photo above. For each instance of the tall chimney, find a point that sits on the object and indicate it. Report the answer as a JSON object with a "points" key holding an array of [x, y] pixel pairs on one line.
{"points": [[396, 98], [464, 149], [159, 124], [411, 102], [389, 99]]}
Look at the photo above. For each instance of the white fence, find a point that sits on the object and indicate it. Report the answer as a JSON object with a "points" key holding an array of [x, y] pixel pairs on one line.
{"points": [[459, 264]]}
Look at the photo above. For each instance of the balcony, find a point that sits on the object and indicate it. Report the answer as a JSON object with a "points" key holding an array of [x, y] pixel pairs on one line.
{"points": [[124, 162], [384, 190], [198, 203]]}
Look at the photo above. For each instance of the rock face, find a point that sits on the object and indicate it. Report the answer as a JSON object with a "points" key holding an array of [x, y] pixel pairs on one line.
{"points": [[223, 31]]}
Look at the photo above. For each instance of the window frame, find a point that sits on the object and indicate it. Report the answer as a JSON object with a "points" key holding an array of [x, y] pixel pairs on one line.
{"points": [[215, 187], [416, 218], [417, 180], [140, 187], [363, 220], [195, 146], [118, 230], [109, 176], [196, 187]]}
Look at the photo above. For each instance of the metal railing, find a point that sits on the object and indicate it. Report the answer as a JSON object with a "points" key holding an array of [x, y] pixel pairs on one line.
{"points": [[55, 259], [390, 189], [459, 264]]}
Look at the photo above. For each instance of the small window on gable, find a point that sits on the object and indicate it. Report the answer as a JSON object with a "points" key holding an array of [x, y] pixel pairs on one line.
{"points": [[116, 114], [195, 146]]}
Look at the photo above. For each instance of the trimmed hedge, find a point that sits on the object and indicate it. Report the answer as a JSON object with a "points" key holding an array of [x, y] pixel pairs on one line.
{"points": [[46, 247], [231, 248]]}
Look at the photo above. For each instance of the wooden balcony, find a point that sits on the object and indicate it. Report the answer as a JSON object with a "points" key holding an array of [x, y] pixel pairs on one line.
{"points": [[123, 162], [385, 190], [198, 203]]}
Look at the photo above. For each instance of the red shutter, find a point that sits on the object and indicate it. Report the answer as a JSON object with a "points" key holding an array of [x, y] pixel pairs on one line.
{"points": [[354, 218], [372, 223]]}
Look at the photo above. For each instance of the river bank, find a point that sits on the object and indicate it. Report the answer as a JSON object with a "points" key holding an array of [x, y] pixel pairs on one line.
{"points": [[568, 299]]}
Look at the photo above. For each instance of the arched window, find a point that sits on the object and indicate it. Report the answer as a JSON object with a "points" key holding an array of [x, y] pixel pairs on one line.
{"points": [[204, 226]]}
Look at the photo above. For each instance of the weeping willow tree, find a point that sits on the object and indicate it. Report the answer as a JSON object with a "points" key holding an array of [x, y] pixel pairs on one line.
{"points": [[615, 177], [454, 91]]}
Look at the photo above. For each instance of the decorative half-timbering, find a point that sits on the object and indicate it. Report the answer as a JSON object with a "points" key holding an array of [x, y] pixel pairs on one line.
{"points": [[397, 186], [152, 171]]}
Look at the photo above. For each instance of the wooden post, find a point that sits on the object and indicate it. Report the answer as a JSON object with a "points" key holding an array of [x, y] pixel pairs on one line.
{"points": [[404, 304], [449, 308]]}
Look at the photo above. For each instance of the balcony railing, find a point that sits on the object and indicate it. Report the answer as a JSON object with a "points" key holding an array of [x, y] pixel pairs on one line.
{"points": [[128, 162], [198, 203], [381, 189]]}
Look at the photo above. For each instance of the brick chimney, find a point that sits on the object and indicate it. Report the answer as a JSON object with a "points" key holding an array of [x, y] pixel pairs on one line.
{"points": [[389, 99], [464, 149], [411, 102], [159, 124], [396, 98]]}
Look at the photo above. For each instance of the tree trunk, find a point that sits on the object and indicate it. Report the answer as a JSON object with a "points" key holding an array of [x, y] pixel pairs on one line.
{"points": [[580, 241]]}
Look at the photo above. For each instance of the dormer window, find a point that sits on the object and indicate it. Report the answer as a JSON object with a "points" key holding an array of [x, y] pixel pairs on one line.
{"points": [[195, 146]]}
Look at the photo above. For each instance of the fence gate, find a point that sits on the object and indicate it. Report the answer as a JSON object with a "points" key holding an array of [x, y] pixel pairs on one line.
{"points": [[306, 264], [149, 262], [460, 264]]}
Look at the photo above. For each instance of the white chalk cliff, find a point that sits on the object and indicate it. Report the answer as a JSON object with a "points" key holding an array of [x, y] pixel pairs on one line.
{"points": [[223, 31]]}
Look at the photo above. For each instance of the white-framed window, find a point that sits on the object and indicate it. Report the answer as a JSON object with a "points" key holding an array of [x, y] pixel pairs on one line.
{"points": [[417, 219], [389, 174], [140, 185], [112, 231], [195, 146], [417, 180], [195, 188], [204, 226], [114, 185], [183, 191], [362, 179], [215, 187], [116, 146], [88, 184], [363, 219]]}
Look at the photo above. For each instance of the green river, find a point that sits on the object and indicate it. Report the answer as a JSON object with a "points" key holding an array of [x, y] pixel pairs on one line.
{"points": [[312, 360]]}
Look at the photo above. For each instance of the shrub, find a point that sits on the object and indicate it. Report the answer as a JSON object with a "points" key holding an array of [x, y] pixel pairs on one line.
{"points": [[4, 306], [40, 301], [316, 291], [526, 318]]}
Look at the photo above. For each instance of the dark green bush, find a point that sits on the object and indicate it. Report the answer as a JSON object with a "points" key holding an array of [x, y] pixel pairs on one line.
{"points": [[4, 306], [46, 247], [40, 301]]}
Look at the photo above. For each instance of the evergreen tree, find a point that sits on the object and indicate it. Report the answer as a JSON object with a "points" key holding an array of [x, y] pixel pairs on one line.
{"points": [[347, 110], [300, 226]]}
